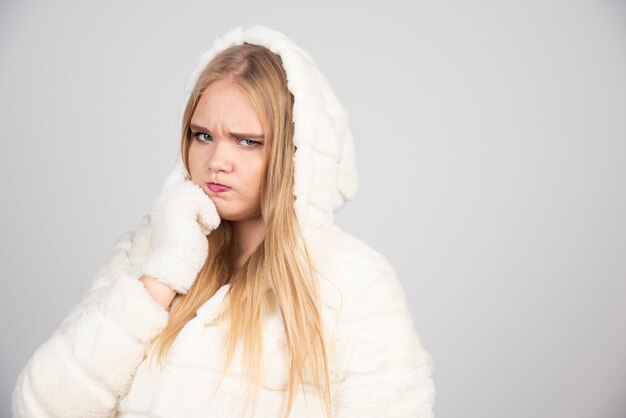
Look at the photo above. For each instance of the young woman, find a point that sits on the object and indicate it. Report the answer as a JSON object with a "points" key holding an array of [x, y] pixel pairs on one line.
{"points": [[238, 283]]}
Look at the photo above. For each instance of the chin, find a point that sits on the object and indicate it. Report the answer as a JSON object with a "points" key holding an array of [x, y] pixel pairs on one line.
{"points": [[226, 214], [230, 217], [235, 217]]}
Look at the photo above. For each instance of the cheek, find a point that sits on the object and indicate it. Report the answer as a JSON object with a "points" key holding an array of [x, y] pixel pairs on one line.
{"points": [[256, 173]]}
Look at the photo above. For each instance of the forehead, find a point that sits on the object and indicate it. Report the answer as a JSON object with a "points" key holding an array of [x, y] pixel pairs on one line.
{"points": [[225, 103]]}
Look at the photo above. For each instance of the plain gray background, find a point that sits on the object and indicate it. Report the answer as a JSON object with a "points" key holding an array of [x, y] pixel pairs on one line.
{"points": [[490, 140]]}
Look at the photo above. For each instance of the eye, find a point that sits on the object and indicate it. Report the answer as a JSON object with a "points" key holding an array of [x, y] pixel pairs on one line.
{"points": [[199, 136], [254, 143]]}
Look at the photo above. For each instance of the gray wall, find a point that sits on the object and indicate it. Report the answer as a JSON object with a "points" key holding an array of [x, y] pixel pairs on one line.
{"points": [[490, 139]]}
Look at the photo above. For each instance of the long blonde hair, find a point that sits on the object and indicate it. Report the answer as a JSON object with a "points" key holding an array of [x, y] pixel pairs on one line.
{"points": [[279, 274]]}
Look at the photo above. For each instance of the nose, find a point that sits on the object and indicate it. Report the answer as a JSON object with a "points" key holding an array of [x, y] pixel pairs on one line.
{"points": [[220, 157]]}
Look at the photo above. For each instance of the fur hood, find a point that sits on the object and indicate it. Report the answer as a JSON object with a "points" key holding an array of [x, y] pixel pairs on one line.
{"points": [[325, 170], [97, 363]]}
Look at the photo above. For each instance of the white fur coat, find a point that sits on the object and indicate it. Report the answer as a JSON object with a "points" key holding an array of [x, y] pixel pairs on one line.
{"points": [[96, 364]]}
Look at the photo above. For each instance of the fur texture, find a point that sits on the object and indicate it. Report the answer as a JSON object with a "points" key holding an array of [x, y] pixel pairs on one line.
{"points": [[97, 363]]}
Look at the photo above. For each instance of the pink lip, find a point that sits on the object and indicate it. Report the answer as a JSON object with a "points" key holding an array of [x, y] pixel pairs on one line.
{"points": [[215, 187]]}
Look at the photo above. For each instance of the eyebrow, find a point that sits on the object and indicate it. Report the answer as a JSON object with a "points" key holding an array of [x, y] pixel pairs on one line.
{"points": [[201, 128]]}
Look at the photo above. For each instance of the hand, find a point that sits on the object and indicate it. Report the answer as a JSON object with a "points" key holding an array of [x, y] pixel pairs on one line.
{"points": [[182, 216]]}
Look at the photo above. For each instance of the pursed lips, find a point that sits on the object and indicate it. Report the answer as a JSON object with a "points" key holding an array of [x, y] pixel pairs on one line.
{"points": [[217, 187]]}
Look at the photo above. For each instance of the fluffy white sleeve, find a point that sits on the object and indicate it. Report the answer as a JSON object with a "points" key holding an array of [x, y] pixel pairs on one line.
{"points": [[89, 361], [383, 369]]}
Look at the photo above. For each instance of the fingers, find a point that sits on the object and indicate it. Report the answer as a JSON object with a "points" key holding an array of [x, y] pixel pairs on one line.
{"points": [[182, 198], [208, 218]]}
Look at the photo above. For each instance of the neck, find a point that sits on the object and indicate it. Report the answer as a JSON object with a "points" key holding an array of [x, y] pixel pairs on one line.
{"points": [[247, 236]]}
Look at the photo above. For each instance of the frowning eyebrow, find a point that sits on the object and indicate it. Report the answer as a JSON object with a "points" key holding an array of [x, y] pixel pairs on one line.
{"points": [[234, 134]]}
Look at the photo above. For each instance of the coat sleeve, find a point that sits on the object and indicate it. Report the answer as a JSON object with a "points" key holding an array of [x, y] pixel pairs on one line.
{"points": [[89, 361], [383, 369]]}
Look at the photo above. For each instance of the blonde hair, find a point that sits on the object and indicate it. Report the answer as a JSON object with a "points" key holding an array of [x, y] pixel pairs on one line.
{"points": [[279, 274]]}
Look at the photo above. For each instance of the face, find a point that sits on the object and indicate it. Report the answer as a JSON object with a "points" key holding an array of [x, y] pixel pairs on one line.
{"points": [[227, 148]]}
